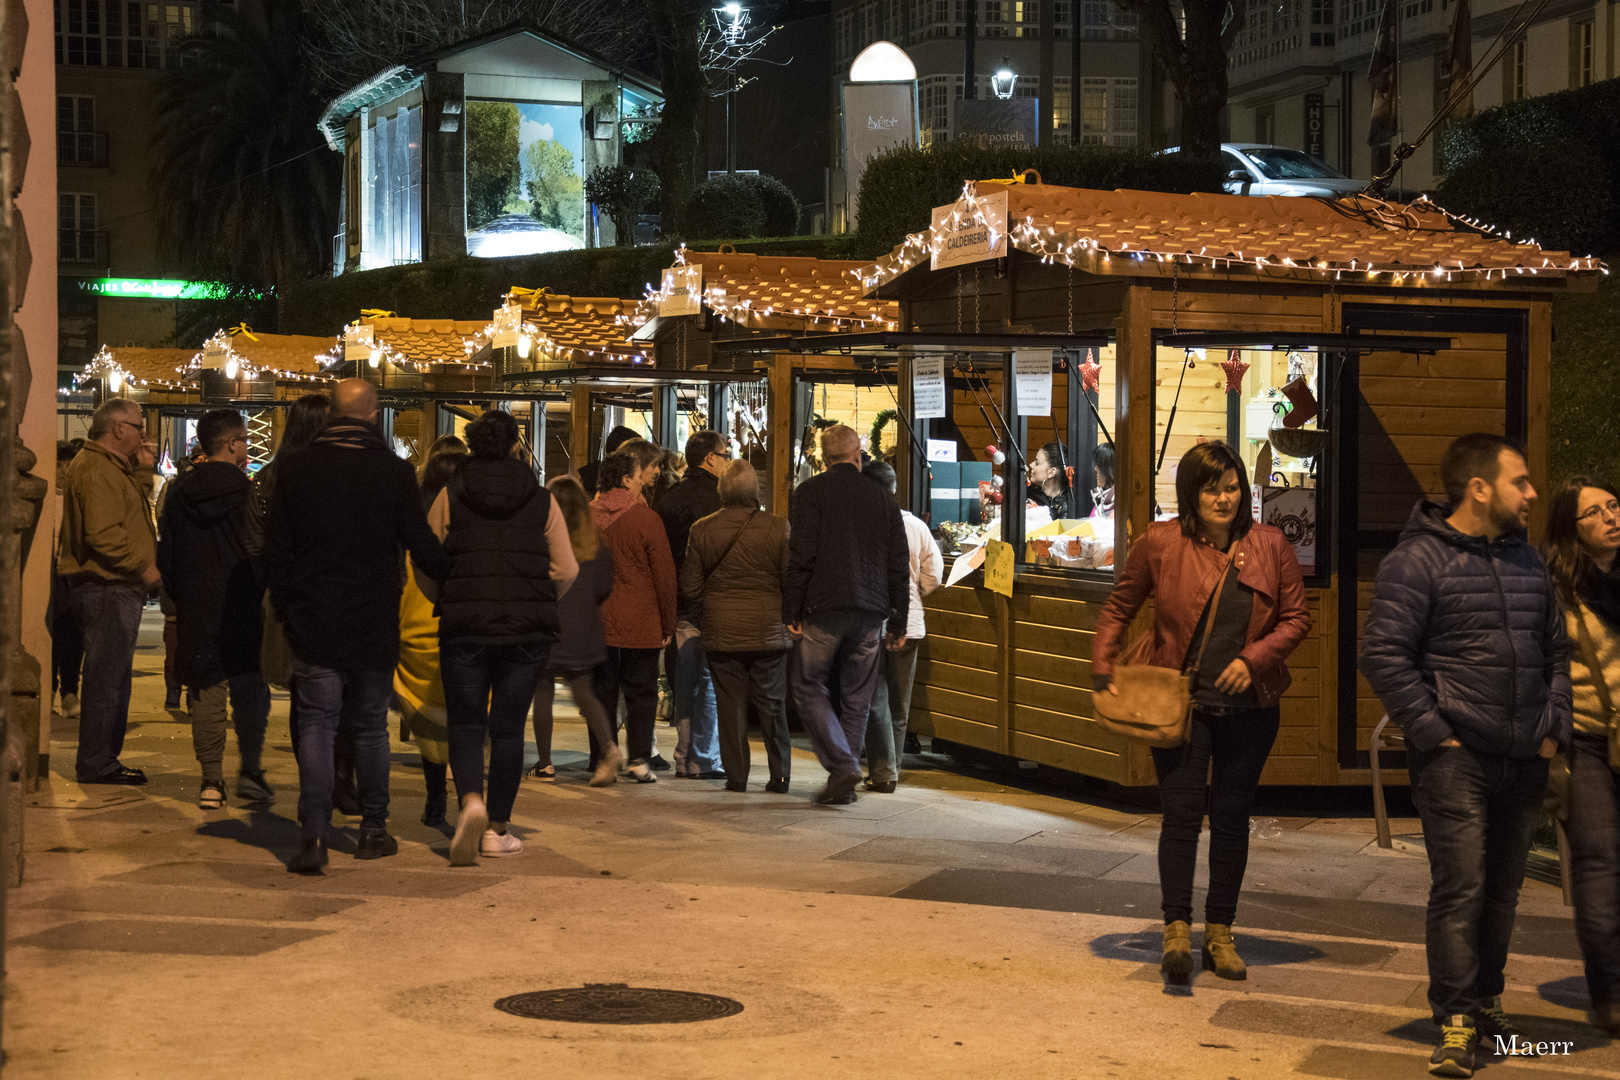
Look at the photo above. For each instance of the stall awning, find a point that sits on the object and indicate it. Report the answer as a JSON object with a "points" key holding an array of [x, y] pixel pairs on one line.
{"points": [[1357, 343], [627, 376], [892, 341]]}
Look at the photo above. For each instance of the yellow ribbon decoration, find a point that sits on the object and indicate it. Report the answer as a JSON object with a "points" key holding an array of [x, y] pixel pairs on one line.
{"points": [[517, 292], [375, 313], [244, 329]]}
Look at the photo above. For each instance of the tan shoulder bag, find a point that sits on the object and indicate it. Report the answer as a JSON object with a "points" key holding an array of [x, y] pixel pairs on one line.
{"points": [[1154, 704], [1601, 684]]}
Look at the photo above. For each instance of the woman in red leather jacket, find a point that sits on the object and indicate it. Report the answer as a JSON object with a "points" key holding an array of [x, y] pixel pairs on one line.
{"points": [[1260, 619]]}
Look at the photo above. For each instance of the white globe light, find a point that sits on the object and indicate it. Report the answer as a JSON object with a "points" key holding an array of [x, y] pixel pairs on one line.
{"points": [[882, 61], [525, 346], [230, 368]]}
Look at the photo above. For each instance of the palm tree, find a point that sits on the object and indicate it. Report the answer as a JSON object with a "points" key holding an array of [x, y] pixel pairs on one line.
{"points": [[247, 188]]}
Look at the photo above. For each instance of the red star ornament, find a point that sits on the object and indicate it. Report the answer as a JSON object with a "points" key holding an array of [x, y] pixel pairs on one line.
{"points": [[1090, 373], [1235, 369]]}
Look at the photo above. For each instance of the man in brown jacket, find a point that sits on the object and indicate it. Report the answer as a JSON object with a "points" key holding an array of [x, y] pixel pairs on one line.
{"points": [[109, 558]]}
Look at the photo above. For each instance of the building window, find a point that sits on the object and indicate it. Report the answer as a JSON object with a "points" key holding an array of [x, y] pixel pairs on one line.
{"points": [[868, 31], [1583, 54], [1106, 21], [844, 33], [393, 162], [116, 33], [76, 228], [1062, 105], [1513, 73], [1124, 112], [934, 94], [77, 140], [1265, 125]]}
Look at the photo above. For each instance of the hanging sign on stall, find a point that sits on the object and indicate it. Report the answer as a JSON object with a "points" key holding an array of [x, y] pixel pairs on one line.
{"points": [[215, 354], [969, 232], [682, 291], [941, 449], [358, 342], [998, 567], [1032, 378], [928, 387], [508, 321]]}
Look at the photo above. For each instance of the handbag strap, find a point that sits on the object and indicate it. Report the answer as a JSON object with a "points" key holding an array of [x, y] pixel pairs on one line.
{"points": [[1209, 624], [1598, 677], [734, 538]]}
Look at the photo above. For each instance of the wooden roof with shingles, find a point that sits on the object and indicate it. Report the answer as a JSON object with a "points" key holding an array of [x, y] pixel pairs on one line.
{"points": [[1135, 232], [428, 341], [788, 292], [581, 329]]}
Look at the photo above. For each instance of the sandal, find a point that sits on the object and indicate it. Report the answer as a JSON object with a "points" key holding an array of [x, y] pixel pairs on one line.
{"points": [[546, 774]]}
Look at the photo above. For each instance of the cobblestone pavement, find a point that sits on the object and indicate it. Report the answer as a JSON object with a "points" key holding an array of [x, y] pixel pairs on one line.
{"points": [[973, 924]]}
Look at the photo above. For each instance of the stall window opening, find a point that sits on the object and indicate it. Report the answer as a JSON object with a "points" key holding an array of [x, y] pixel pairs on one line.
{"points": [[1266, 403], [1068, 496]]}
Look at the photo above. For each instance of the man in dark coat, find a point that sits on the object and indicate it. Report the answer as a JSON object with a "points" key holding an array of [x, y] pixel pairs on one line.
{"points": [[203, 557], [697, 723], [849, 570], [1465, 646], [342, 511], [615, 439]]}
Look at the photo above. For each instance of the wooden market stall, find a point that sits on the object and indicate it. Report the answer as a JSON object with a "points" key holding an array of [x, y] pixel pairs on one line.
{"points": [[1338, 345]]}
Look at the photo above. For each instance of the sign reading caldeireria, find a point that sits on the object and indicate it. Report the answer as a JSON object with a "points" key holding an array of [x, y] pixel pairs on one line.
{"points": [[970, 231]]}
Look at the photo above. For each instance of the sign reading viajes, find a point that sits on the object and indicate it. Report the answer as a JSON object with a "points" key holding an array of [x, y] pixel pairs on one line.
{"points": [[990, 123], [877, 116], [968, 233]]}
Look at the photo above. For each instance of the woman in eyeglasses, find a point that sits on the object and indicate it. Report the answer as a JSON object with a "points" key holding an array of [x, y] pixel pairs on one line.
{"points": [[1583, 535]]}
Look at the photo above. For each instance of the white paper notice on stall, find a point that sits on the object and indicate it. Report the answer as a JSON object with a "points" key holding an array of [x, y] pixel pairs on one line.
{"points": [[965, 564], [1032, 374], [941, 449], [928, 387]]}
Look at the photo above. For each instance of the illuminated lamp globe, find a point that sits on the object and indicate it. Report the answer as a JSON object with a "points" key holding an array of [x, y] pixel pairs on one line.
{"points": [[525, 346], [376, 361], [230, 368], [882, 61], [115, 380]]}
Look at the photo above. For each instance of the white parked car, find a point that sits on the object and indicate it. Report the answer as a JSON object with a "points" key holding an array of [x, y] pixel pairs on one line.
{"points": [[1259, 169]]}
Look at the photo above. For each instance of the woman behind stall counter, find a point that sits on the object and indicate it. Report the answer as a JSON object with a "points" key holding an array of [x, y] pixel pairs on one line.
{"points": [[1213, 545], [1049, 481]]}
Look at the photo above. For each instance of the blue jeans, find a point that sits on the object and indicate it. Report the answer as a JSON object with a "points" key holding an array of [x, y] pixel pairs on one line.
{"points": [[1479, 814], [852, 643], [358, 696], [488, 690], [1593, 830], [697, 718], [110, 615], [891, 711]]}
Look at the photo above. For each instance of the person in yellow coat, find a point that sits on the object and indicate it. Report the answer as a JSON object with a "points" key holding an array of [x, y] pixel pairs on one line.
{"points": [[418, 693]]}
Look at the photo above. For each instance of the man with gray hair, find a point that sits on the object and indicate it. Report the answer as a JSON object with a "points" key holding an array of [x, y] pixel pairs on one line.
{"points": [[109, 558], [848, 572]]}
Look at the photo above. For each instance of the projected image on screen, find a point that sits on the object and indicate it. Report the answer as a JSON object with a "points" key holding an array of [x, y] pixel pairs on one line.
{"points": [[524, 189]]}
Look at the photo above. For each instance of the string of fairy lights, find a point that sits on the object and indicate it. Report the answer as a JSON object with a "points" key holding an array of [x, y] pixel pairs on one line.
{"points": [[748, 312], [1077, 249]]}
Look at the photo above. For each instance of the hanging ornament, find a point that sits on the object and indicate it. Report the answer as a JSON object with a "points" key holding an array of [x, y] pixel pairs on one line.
{"points": [[1090, 373], [1235, 368]]}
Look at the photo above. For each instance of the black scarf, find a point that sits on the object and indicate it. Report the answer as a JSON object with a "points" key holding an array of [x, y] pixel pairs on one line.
{"points": [[347, 433], [1601, 593]]}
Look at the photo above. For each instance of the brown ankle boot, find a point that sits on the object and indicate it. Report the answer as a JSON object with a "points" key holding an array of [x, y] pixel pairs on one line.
{"points": [[1177, 964], [1220, 954]]}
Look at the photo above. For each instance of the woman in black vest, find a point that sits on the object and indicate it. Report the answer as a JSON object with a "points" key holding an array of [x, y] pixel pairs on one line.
{"points": [[510, 560]]}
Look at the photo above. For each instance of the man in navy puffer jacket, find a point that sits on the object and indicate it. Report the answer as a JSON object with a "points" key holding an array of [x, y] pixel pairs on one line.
{"points": [[1465, 647]]}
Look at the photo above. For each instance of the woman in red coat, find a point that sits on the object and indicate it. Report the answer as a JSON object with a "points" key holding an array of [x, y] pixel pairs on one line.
{"points": [[1214, 546], [638, 617]]}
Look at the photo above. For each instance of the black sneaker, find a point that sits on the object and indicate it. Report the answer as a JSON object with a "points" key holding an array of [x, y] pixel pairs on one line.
{"points": [[252, 787], [778, 785], [913, 744], [658, 763], [840, 790], [1459, 1039], [1493, 1023], [171, 700], [310, 858], [375, 844]]}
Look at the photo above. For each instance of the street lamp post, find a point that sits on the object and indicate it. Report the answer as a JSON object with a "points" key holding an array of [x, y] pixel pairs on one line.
{"points": [[1004, 81], [732, 21]]}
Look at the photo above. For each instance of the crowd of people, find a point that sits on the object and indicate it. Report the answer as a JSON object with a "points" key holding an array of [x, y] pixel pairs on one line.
{"points": [[459, 593]]}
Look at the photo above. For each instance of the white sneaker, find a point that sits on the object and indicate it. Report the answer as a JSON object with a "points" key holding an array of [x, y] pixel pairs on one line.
{"points": [[470, 824], [495, 844]]}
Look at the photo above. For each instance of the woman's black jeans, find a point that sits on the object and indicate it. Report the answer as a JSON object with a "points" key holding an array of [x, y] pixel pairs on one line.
{"points": [[1237, 744], [489, 689], [1593, 830]]}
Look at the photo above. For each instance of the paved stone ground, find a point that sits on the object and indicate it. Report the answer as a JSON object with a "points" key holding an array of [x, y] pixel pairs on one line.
{"points": [[974, 924]]}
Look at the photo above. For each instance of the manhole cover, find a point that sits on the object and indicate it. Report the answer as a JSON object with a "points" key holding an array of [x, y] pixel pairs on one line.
{"points": [[619, 1003]]}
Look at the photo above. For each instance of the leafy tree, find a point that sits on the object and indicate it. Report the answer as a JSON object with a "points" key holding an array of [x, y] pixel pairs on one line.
{"points": [[493, 172], [246, 186], [622, 193], [556, 192]]}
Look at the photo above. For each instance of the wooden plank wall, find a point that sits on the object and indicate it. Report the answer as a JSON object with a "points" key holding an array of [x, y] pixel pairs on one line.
{"points": [[1415, 406], [1047, 712]]}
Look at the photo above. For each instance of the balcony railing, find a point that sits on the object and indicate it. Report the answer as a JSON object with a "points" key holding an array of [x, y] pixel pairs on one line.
{"points": [[82, 148], [82, 247]]}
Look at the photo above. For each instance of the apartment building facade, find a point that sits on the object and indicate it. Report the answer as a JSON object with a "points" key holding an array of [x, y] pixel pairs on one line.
{"points": [[1298, 70]]}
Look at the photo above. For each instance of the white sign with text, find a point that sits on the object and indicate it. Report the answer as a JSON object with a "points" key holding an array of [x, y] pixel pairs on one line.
{"points": [[1032, 380], [928, 387], [969, 232]]}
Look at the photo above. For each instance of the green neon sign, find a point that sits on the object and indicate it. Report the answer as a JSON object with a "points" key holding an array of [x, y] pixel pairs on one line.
{"points": [[159, 289]]}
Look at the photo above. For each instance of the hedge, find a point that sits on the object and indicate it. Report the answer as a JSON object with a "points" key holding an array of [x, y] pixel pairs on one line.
{"points": [[743, 204], [1585, 425], [1545, 166], [900, 187], [472, 288]]}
